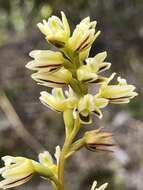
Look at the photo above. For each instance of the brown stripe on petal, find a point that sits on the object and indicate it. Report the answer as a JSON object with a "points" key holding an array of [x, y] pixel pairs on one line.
{"points": [[103, 144], [100, 147], [97, 113], [66, 56], [120, 98], [18, 182], [99, 80], [102, 68], [46, 66], [85, 46], [105, 148], [48, 81], [87, 80], [82, 43], [53, 69], [56, 43]]}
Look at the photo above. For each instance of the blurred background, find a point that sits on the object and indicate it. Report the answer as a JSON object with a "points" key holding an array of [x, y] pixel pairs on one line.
{"points": [[27, 127]]}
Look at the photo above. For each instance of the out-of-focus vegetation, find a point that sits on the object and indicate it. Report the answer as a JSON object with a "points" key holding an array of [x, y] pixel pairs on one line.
{"points": [[121, 23]]}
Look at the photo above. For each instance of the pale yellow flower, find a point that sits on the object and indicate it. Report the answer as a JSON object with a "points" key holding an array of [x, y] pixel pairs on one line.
{"points": [[57, 100], [118, 94], [55, 79], [17, 170], [83, 36], [89, 104], [45, 60], [57, 31]]}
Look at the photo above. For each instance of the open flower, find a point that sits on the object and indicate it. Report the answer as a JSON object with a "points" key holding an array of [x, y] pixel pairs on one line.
{"points": [[83, 36], [17, 170], [95, 65], [57, 31], [90, 104], [45, 60], [57, 100], [98, 140], [118, 94], [102, 187], [55, 79]]}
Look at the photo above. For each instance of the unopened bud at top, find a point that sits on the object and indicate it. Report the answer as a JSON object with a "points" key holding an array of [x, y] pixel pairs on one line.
{"points": [[57, 31], [83, 36]]}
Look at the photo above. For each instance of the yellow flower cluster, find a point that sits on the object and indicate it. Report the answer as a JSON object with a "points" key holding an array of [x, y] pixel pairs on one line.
{"points": [[71, 66]]}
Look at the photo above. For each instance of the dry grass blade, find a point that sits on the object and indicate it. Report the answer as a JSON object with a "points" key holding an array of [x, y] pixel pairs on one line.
{"points": [[17, 124]]}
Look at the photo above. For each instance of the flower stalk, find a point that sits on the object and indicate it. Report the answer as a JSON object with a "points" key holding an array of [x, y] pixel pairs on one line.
{"points": [[65, 150]]}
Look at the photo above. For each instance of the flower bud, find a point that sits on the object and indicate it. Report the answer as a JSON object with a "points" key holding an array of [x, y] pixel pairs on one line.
{"points": [[56, 31], [45, 60], [46, 160], [56, 79], [83, 36], [117, 94], [17, 170], [99, 140]]}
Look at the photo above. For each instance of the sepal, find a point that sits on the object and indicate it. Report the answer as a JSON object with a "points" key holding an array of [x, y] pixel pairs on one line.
{"points": [[83, 36], [45, 60], [117, 94], [57, 79]]}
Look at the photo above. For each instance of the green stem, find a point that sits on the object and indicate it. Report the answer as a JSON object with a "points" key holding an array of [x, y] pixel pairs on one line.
{"points": [[65, 150], [75, 147], [57, 184], [47, 173]]}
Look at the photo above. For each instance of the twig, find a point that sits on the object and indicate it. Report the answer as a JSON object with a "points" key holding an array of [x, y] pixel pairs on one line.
{"points": [[17, 124]]}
